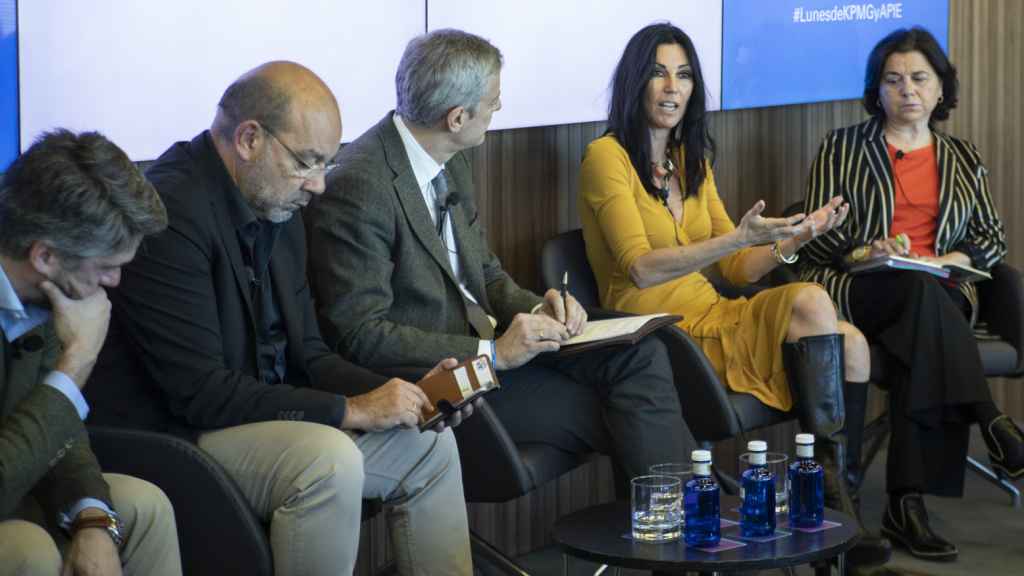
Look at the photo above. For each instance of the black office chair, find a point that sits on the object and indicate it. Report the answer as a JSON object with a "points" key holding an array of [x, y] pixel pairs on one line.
{"points": [[1000, 336], [218, 532], [712, 411]]}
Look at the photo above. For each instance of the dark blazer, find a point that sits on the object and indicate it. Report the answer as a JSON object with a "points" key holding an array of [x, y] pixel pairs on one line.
{"points": [[853, 162], [44, 449], [184, 327], [386, 292]]}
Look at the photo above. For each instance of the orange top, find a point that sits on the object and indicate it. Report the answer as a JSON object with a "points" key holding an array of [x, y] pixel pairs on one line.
{"points": [[916, 209]]}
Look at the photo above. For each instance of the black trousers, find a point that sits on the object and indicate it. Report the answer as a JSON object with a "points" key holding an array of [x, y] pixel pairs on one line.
{"points": [[620, 401], [934, 375]]}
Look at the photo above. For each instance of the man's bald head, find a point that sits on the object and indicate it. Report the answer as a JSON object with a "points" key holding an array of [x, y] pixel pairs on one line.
{"points": [[277, 95]]}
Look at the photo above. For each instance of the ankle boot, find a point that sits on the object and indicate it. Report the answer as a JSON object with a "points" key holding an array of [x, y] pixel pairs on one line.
{"points": [[855, 397], [1005, 443], [815, 367], [906, 521], [872, 549]]}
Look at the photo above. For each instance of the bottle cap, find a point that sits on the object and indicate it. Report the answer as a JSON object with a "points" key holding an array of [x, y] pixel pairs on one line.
{"points": [[757, 446], [805, 439], [701, 456]]}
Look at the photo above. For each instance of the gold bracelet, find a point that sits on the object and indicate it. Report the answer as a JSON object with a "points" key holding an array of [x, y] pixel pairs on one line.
{"points": [[776, 252]]}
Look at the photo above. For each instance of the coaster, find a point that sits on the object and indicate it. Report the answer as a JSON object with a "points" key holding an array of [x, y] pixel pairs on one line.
{"points": [[723, 545], [761, 539], [825, 525]]}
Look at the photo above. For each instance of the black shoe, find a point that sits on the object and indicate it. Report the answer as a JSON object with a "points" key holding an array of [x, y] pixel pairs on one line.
{"points": [[908, 525], [1005, 443]]}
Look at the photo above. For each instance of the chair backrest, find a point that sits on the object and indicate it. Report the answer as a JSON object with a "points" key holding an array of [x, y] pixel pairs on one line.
{"points": [[568, 253]]}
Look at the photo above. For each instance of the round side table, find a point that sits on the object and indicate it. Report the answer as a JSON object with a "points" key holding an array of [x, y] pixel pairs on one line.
{"points": [[597, 534]]}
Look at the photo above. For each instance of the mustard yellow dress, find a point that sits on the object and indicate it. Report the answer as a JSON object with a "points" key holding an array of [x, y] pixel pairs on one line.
{"points": [[621, 221]]}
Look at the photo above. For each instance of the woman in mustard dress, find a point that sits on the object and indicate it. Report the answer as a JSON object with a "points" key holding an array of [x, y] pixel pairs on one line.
{"points": [[652, 220]]}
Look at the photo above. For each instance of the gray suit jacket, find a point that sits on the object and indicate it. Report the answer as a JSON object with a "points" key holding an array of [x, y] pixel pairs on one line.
{"points": [[44, 449], [385, 292]]}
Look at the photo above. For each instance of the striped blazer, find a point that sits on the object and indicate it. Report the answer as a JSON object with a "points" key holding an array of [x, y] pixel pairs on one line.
{"points": [[853, 162]]}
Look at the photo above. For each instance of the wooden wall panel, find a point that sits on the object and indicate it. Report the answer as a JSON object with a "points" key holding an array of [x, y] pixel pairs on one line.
{"points": [[527, 179]]}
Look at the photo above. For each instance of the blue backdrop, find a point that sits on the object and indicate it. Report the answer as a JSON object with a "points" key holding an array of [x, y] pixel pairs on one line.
{"points": [[8, 83], [788, 51]]}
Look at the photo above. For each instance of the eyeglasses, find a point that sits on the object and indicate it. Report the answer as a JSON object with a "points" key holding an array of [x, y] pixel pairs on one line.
{"points": [[305, 171]]}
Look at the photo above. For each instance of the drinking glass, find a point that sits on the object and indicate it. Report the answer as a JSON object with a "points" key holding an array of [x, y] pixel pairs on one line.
{"points": [[681, 470], [656, 503]]}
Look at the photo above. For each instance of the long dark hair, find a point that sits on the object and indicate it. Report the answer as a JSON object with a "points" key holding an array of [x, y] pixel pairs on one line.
{"points": [[910, 40], [627, 118]]}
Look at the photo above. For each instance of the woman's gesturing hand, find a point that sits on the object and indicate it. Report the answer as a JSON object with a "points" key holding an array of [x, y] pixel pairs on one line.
{"points": [[824, 219], [755, 229]]}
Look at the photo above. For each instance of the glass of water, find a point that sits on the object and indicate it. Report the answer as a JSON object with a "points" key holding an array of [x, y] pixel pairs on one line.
{"points": [[656, 503], [776, 464], [681, 470]]}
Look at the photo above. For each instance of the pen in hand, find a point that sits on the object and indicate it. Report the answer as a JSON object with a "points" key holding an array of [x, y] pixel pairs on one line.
{"points": [[565, 296]]}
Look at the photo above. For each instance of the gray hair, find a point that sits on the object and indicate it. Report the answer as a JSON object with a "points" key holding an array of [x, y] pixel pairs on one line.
{"points": [[253, 97], [442, 70], [80, 194]]}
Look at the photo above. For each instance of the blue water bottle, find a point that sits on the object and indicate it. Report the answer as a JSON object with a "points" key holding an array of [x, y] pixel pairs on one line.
{"points": [[757, 513], [806, 486], [700, 501]]}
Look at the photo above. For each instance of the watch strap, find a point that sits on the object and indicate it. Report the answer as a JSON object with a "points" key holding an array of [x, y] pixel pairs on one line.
{"points": [[107, 522]]}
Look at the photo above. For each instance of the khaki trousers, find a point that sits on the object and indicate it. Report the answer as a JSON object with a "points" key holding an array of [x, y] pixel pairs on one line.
{"points": [[308, 481], [151, 540]]}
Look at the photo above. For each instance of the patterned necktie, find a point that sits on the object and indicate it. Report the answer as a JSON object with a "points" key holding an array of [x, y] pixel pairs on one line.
{"points": [[441, 194], [475, 314]]}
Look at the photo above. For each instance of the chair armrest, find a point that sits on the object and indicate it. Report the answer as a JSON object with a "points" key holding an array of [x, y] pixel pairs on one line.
{"points": [[217, 530], [1001, 306], [703, 398], [492, 470]]}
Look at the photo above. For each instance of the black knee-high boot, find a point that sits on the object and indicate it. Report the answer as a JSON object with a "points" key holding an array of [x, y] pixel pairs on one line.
{"points": [[815, 367]]}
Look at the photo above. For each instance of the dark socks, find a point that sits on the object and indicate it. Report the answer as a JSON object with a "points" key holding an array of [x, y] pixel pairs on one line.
{"points": [[856, 397]]}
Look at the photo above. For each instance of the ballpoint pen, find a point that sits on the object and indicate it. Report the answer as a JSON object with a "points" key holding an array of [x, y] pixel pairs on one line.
{"points": [[565, 293]]}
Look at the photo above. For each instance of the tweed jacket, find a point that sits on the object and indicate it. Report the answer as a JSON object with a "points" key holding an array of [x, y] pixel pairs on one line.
{"points": [[385, 290], [44, 448], [853, 162]]}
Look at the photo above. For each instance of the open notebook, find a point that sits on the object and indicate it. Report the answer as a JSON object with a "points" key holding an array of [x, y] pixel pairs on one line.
{"points": [[616, 331], [954, 272]]}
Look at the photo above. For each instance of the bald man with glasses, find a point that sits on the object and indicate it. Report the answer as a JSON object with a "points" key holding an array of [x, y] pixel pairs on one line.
{"points": [[217, 312]]}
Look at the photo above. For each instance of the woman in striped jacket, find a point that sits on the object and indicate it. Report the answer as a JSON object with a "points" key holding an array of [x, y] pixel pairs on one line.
{"points": [[914, 191]]}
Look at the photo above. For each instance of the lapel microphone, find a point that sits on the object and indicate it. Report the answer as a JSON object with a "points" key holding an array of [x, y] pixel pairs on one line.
{"points": [[450, 200], [900, 154]]}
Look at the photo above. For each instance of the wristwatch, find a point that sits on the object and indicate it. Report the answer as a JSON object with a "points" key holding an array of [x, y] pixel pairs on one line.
{"points": [[109, 521]]}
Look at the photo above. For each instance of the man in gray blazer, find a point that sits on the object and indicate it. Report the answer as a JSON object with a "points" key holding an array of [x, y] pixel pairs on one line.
{"points": [[73, 210], [403, 275]]}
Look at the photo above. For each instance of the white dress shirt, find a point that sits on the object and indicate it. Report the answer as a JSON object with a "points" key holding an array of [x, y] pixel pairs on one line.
{"points": [[425, 169]]}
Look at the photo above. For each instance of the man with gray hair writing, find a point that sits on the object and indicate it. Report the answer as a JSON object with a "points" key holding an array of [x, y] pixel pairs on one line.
{"points": [[403, 274]]}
